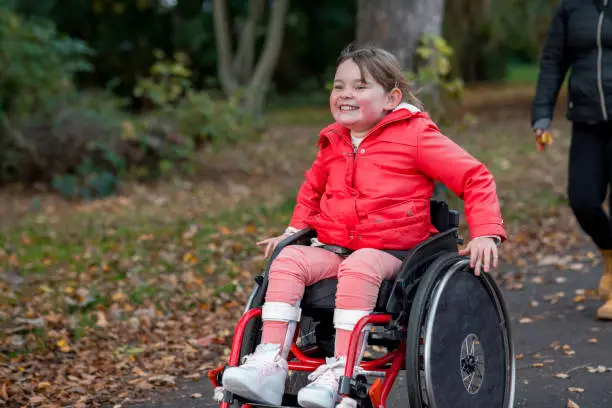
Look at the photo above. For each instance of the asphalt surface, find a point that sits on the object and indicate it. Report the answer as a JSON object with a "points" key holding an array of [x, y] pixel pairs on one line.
{"points": [[554, 331]]}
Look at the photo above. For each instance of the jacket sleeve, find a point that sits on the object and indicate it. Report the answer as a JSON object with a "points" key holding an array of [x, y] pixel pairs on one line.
{"points": [[310, 193], [554, 64], [443, 160]]}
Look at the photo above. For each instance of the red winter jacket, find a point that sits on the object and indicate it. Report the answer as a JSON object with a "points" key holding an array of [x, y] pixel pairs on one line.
{"points": [[377, 196]]}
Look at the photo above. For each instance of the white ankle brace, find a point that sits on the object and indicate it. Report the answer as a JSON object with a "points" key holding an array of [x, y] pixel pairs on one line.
{"points": [[283, 312], [346, 319]]}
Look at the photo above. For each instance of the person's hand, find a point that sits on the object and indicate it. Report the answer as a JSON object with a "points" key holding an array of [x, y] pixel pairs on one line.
{"points": [[543, 139], [271, 243], [482, 251]]}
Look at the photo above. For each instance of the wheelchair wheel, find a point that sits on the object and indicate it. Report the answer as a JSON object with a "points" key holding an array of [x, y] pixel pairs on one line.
{"points": [[459, 346]]}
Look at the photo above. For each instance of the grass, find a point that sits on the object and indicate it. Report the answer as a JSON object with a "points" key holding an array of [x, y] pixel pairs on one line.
{"points": [[520, 74]]}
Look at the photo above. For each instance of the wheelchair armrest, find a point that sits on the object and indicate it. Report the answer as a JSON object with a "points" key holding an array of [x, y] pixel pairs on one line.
{"points": [[302, 237]]}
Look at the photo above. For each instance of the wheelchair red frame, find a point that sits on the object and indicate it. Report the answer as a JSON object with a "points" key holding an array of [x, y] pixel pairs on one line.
{"points": [[379, 390]]}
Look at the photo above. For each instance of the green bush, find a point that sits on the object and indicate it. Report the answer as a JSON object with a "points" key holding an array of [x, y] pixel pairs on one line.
{"points": [[190, 118], [37, 64], [84, 143]]}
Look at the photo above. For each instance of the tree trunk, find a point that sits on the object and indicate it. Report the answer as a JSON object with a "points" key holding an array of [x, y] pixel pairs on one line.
{"points": [[260, 80], [397, 25], [242, 69]]}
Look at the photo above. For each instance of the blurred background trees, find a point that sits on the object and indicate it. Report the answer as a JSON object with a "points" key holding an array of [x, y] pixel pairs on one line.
{"points": [[94, 90]]}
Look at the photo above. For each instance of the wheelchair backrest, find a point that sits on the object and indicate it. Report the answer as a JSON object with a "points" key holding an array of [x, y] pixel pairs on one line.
{"points": [[442, 218]]}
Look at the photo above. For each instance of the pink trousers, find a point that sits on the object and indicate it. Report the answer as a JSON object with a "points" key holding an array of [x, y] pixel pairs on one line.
{"points": [[359, 278]]}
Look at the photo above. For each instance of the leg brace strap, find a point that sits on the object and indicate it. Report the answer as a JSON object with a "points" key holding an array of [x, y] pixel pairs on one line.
{"points": [[346, 319], [280, 312]]}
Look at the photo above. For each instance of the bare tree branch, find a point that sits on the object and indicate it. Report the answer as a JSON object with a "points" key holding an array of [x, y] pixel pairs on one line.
{"points": [[272, 46], [224, 47], [245, 56]]}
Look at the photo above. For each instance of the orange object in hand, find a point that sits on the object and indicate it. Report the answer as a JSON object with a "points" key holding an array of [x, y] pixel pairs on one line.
{"points": [[544, 139]]}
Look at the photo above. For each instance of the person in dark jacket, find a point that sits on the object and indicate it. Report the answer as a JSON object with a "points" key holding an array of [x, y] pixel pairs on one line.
{"points": [[580, 39]]}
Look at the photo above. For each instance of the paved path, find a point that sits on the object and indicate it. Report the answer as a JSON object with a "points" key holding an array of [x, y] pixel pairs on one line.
{"points": [[565, 321]]}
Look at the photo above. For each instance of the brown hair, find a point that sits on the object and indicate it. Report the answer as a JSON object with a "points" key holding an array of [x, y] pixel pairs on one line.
{"points": [[383, 67]]}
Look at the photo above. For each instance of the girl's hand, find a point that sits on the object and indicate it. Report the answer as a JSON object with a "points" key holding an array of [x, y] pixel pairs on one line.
{"points": [[271, 243], [481, 250]]}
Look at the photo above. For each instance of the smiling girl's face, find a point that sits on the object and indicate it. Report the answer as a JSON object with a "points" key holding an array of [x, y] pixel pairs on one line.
{"points": [[359, 102]]}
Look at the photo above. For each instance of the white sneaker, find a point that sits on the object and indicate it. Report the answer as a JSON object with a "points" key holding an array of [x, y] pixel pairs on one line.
{"points": [[260, 378], [322, 392]]}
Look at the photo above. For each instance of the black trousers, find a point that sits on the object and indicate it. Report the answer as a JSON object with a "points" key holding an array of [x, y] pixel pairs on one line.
{"points": [[590, 174]]}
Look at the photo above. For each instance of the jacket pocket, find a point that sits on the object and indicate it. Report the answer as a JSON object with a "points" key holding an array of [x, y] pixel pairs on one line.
{"points": [[395, 212]]}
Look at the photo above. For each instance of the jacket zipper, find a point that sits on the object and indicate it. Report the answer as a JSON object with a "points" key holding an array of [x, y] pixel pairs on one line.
{"points": [[356, 148], [602, 99]]}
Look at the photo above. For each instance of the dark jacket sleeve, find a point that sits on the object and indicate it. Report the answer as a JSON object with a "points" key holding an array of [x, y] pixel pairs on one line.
{"points": [[554, 65]]}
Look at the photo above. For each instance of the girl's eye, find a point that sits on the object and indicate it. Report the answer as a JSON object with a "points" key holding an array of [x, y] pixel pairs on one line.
{"points": [[337, 87], [360, 87]]}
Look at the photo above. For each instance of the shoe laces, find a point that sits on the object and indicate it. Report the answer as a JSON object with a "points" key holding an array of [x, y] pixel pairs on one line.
{"points": [[263, 362], [328, 375]]}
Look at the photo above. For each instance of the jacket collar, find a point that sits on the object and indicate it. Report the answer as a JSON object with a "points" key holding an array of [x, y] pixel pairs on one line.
{"points": [[402, 111]]}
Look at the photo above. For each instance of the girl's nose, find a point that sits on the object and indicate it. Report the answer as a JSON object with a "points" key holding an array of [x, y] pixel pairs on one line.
{"points": [[346, 93]]}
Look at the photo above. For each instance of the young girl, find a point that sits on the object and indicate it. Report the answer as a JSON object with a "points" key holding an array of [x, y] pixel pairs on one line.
{"points": [[368, 191]]}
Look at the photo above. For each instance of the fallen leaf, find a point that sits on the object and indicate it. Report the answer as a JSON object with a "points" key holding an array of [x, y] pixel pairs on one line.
{"points": [[598, 369], [575, 389], [190, 258], [163, 379], [102, 321], [62, 344], [43, 385], [593, 340], [563, 376], [525, 320], [37, 399], [196, 395], [572, 404], [119, 297], [3, 392], [225, 230]]}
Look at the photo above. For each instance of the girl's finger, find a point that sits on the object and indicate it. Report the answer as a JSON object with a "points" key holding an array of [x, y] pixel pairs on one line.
{"points": [[478, 253], [486, 261], [495, 256], [473, 255]]}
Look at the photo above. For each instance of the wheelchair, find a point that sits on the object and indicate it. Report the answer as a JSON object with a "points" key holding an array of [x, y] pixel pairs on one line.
{"points": [[445, 327]]}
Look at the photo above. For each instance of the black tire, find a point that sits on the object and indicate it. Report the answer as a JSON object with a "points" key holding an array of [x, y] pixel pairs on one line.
{"points": [[478, 351]]}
